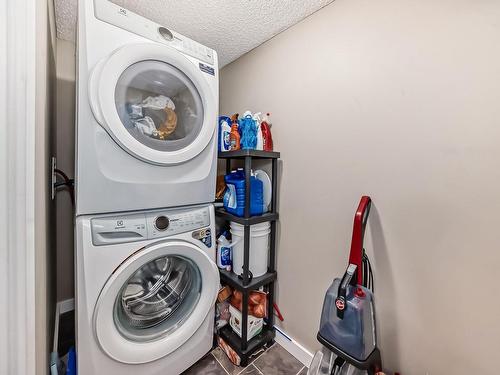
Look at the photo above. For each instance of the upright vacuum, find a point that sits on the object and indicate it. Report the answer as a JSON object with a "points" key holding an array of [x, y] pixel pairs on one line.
{"points": [[347, 329]]}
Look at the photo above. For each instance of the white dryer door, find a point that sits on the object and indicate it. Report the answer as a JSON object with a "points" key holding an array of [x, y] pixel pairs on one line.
{"points": [[155, 301], [154, 102]]}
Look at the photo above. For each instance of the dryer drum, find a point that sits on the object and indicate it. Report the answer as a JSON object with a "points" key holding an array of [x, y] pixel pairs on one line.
{"points": [[155, 291]]}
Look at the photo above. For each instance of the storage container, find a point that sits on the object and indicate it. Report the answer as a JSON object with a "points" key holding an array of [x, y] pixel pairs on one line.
{"points": [[258, 248], [234, 198], [254, 324], [355, 333]]}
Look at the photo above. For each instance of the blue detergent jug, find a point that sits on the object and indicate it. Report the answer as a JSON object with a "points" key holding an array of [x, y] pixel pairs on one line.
{"points": [[234, 198]]}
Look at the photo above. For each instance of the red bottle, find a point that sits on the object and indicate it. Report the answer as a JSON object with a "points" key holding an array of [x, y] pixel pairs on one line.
{"points": [[266, 133]]}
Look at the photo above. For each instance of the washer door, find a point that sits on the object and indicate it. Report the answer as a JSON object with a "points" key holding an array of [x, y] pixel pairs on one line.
{"points": [[154, 102], [155, 301]]}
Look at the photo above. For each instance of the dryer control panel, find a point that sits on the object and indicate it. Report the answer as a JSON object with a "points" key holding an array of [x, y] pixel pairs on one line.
{"points": [[116, 15], [115, 229]]}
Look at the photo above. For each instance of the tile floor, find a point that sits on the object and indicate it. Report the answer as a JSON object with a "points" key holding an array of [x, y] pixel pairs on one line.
{"points": [[273, 361]]}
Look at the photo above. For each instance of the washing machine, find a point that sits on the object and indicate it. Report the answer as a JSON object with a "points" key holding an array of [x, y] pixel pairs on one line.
{"points": [[146, 287], [147, 107]]}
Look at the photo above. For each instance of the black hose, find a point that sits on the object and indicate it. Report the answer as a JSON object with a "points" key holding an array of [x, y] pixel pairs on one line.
{"points": [[67, 182]]}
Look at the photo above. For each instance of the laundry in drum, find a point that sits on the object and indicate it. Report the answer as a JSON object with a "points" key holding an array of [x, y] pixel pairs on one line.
{"points": [[155, 116]]}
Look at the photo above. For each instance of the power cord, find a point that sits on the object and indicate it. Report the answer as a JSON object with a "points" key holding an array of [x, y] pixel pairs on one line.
{"points": [[368, 281], [68, 183]]}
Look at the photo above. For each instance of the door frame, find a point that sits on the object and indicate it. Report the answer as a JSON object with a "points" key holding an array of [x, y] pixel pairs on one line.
{"points": [[18, 20]]}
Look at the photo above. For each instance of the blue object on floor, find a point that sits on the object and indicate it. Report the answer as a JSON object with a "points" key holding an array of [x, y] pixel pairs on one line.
{"points": [[71, 369]]}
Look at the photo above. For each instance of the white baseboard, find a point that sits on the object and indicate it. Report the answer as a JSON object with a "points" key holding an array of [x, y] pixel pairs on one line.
{"points": [[293, 347]]}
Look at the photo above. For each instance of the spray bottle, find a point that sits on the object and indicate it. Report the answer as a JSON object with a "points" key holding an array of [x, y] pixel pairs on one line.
{"points": [[266, 133], [234, 136], [260, 139]]}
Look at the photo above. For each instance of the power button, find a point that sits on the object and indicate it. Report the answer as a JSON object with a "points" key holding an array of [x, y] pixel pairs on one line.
{"points": [[161, 223]]}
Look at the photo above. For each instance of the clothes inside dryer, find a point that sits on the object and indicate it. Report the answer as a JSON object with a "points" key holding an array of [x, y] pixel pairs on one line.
{"points": [[157, 298], [159, 105]]}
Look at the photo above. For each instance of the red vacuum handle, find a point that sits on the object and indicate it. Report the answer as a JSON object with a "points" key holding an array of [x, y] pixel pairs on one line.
{"points": [[358, 234]]}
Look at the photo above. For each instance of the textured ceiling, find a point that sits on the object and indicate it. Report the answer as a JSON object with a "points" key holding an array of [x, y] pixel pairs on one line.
{"points": [[231, 27]]}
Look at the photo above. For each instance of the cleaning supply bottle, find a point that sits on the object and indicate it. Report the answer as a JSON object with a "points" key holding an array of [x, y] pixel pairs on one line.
{"points": [[234, 136], [224, 133], [260, 139], [234, 198], [267, 137], [224, 258], [248, 131]]}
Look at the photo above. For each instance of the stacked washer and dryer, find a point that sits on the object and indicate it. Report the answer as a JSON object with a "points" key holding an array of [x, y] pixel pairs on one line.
{"points": [[146, 280]]}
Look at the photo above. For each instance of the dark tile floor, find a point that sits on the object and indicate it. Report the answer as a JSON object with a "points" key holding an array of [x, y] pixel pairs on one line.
{"points": [[273, 361]]}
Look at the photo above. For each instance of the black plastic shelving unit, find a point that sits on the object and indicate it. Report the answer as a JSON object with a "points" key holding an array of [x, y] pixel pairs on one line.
{"points": [[244, 283]]}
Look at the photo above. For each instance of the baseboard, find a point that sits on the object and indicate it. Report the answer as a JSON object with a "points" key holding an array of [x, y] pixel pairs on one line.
{"points": [[293, 347]]}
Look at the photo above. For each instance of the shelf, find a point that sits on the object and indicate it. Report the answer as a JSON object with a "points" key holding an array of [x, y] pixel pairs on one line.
{"points": [[256, 154], [268, 216], [234, 341], [235, 282]]}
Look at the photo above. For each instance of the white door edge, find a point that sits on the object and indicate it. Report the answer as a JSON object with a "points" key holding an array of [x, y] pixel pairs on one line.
{"points": [[17, 186]]}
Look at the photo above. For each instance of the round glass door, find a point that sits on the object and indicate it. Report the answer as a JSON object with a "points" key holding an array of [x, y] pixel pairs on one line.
{"points": [[157, 298], [155, 301], [154, 102], [159, 105]]}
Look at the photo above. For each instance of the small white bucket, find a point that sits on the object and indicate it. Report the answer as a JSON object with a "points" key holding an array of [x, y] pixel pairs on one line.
{"points": [[259, 248]]}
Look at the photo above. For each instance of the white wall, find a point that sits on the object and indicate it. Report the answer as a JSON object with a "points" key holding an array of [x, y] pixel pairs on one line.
{"points": [[397, 99]]}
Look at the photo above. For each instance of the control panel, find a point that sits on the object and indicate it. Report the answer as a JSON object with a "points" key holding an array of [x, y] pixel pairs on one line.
{"points": [[167, 223], [111, 13], [114, 229]]}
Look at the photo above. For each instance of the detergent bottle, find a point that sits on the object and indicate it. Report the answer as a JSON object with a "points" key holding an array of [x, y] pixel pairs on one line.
{"points": [[260, 139], [224, 251], [234, 198], [234, 136], [224, 133], [267, 137], [248, 131]]}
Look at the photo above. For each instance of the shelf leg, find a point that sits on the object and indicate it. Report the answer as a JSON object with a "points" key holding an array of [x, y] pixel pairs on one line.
{"points": [[270, 305], [248, 171], [244, 320], [246, 255], [274, 192]]}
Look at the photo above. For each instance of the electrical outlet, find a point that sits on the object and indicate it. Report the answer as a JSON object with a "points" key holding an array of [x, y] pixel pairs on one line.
{"points": [[53, 177]]}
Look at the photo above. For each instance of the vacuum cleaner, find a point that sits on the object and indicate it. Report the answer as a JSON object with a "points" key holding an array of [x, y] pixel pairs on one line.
{"points": [[347, 329]]}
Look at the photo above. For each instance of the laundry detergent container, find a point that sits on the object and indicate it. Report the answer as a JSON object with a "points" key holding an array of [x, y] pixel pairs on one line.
{"points": [[259, 248], [354, 334], [234, 198]]}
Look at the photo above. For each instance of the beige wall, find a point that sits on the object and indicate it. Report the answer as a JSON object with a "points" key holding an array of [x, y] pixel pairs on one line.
{"points": [[65, 151], [44, 220], [397, 99]]}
